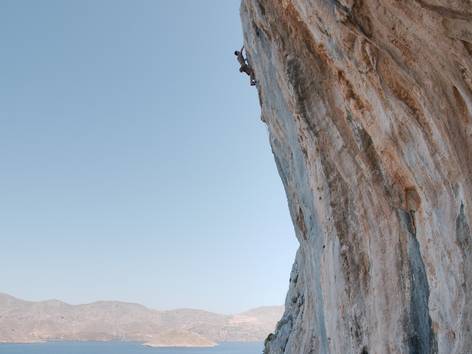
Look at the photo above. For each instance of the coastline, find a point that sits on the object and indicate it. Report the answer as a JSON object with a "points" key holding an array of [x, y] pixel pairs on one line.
{"points": [[146, 344], [151, 345]]}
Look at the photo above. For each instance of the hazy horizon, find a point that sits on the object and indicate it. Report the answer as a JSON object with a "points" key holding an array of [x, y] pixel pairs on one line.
{"points": [[137, 303], [135, 166]]}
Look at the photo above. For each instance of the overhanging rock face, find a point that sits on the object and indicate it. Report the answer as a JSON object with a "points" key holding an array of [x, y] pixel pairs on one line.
{"points": [[369, 108]]}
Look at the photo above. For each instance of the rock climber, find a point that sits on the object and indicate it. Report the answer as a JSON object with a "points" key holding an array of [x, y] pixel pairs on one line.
{"points": [[244, 66]]}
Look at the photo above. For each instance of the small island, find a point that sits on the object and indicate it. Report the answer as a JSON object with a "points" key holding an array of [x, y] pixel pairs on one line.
{"points": [[180, 338]]}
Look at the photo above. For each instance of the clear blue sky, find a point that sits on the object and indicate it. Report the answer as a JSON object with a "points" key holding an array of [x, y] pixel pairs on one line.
{"points": [[134, 165]]}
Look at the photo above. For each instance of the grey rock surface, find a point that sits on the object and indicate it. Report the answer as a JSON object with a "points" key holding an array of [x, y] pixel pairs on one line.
{"points": [[368, 105]]}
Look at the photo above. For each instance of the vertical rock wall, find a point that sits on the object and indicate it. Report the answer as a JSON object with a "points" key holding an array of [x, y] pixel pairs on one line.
{"points": [[369, 108]]}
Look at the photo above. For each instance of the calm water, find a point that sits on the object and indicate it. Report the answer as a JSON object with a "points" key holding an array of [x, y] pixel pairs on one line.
{"points": [[124, 348]]}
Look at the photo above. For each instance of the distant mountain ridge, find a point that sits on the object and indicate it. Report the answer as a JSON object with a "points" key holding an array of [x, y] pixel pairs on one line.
{"points": [[26, 321]]}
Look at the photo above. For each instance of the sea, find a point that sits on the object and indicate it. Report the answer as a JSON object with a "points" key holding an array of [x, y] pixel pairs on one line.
{"points": [[124, 348]]}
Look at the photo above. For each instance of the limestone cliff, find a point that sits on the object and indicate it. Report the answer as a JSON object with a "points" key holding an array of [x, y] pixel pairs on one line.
{"points": [[368, 104]]}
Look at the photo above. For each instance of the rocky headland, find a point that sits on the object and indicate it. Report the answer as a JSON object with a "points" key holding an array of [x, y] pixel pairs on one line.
{"points": [[53, 320]]}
